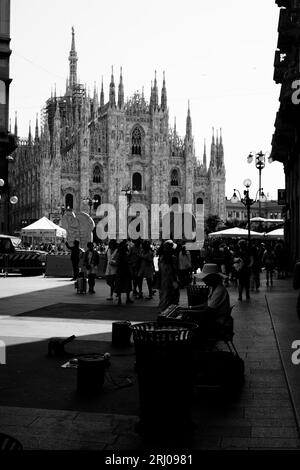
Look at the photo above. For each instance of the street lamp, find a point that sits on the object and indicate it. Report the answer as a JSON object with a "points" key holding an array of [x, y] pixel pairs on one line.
{"points": [[90, 202], [248, 202], [128, 192], [260, 163]]}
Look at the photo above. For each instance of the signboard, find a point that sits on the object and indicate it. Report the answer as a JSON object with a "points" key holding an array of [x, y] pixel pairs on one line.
{"points": [[281, 197]]}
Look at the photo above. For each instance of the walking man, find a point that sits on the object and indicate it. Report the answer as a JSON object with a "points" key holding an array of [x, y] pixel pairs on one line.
{"points": [[90, 262], [76, 253]]}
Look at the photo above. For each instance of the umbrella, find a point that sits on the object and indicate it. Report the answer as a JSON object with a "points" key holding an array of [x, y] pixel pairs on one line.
{"points": [[261, 219], [235, 232], [278, 233]]}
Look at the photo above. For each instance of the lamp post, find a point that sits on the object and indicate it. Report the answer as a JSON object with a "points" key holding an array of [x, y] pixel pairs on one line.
{"points": [[90, 203], [260, 163], [248, 202], [128, 192]]}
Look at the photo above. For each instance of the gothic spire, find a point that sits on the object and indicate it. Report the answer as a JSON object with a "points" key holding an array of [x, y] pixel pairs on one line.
{"points": [[213, 149], [73, 62], [151, 97], [29, 133], [221, 150], [154, 95], [163, 102], [102, 95], [204, 155], [121, 91], [36, 137], [188, 132], [112, 90]]}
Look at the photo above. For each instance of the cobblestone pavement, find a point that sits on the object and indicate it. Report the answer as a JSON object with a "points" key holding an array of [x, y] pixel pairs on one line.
{"points": [[263, 416]]}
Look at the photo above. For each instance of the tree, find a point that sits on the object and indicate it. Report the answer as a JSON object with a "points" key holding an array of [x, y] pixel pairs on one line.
{"points": [[235, 223], [212, 223]]}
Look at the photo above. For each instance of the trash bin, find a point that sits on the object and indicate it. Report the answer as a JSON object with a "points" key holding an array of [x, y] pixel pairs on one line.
{"points": [[164, 370], [90, 373]]}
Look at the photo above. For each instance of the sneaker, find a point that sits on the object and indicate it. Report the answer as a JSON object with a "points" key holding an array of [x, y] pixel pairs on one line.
{"points": [[92, 292]]}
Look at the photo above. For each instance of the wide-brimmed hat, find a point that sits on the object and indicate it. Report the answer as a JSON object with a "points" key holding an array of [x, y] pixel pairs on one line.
{"points": [[171, 244], [210, 269]]}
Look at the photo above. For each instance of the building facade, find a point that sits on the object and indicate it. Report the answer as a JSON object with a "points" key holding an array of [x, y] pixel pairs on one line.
{"points": [[286, 138], [237, 211], [89, 149]]}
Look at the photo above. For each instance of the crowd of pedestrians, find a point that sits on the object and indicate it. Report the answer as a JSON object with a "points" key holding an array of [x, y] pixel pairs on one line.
{"points": [[168, 266]]}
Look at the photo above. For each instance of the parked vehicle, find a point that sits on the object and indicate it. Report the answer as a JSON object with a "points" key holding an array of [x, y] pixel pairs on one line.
{"points": [[14, 259]]}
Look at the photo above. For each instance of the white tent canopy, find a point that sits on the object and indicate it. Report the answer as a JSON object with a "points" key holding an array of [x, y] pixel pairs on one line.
{"points": [[44, 228], [278, 233], [262, 219], [235, 232]]}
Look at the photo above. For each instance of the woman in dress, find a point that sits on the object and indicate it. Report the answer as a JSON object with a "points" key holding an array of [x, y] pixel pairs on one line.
{"points": [[123, 276], [168, 276], [111, 267]]}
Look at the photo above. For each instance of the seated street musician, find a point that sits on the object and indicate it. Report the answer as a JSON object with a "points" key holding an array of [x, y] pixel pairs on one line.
{"points": [[212, 315]]}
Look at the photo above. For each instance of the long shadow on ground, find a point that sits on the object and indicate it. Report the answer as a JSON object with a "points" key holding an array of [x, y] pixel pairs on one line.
{"points": [[95, 312]]}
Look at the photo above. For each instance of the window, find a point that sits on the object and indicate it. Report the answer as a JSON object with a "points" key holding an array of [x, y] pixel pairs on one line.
{"points": [[174, 178], [97, 174], [136, 148], [230, 215], [199, 200], [137, 182], [175, 200], [69, 201]]}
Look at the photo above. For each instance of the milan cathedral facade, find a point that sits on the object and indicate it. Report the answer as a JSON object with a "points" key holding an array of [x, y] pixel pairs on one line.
{"points": [[89, 149]]}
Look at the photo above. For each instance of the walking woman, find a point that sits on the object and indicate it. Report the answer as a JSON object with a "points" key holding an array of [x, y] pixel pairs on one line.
{"points": [[111, 267], [123, 276], [146, 268], [168, 273]]}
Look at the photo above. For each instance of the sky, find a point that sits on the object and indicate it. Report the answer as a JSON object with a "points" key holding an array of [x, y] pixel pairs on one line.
{"points": [[217, 54]]}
